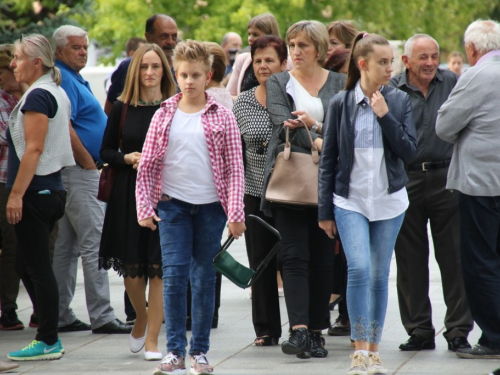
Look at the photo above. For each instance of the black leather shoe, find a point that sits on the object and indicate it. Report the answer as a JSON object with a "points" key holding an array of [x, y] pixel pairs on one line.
{"points": [[416, 342], [298, 344], [317, 343], [76, 326], [341, 327], [458, 343], [115, 326]]}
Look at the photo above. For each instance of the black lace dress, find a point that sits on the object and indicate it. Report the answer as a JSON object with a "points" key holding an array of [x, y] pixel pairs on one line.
{"points": [[128, 248]]}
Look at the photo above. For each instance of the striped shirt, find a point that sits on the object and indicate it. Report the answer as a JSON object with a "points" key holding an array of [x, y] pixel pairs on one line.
{"points": [[224, 148], [369, 184]]}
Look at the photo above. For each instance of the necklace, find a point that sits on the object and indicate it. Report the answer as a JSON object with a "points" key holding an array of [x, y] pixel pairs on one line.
{"points": [[142, 102]]}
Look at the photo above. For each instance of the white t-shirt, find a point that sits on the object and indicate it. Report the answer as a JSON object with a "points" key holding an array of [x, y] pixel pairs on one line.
{"points": [[187, 172]]}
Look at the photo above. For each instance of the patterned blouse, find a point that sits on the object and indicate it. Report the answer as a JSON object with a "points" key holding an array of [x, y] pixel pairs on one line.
{"points": [[255, 127], [7, 104]]}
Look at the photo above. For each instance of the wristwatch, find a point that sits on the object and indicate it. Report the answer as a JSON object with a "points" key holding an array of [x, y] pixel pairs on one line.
{"points": [[314, 128]]}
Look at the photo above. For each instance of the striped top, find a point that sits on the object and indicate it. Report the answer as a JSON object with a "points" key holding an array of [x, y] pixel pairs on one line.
{"points": [[369, 184]]}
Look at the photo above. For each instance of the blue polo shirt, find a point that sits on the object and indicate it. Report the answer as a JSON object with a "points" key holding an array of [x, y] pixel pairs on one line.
{"points": [[87, 115]]}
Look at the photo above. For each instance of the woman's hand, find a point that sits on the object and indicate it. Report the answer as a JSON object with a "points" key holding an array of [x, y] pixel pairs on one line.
{"points": [[14, 209], [149, 223], [132, 159], [237, 229], [378, 104], [329, 227], [302, 118]]}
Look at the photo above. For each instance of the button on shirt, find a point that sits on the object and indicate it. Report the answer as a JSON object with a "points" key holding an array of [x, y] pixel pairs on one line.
{"points": [[425, 111], [369, 184]]}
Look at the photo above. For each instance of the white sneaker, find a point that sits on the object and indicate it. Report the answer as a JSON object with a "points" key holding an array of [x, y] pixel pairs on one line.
{"points": [[358, 365], [200, 365], [375, 365], [171, 365]]}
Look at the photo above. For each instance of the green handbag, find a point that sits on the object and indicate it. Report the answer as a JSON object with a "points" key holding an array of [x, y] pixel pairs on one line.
{"points": [[239, 274]]}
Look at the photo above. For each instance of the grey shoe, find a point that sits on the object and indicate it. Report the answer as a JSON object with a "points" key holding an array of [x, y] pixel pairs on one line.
{"points": [[478, 352]]}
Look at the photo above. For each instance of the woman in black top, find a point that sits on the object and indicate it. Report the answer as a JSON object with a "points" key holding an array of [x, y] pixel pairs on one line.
{"points": [[269, 55], [131, 250]]}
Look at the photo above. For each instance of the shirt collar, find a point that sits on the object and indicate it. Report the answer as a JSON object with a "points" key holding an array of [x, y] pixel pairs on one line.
{"points": [[486, 56], [171, 104], [62, 66], [360, 95], [404, 78]]}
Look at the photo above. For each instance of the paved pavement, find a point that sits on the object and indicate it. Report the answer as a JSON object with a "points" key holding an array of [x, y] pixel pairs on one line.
{"points": [[232, 350]]}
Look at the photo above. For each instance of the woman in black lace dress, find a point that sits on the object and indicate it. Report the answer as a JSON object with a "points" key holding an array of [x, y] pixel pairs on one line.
{"points": [[131, 250]]}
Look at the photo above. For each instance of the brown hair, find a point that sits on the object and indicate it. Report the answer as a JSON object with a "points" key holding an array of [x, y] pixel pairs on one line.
{"points": [[131, 91], [193, 51], [133, 44], [265, 41], [362, 46], [266, 23], [219, 63], [344, 31], [6, 56], [337, 60], [456, 54]]}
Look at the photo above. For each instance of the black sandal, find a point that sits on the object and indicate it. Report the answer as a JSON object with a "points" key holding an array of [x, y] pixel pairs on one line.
{"points": [[265, 341]]}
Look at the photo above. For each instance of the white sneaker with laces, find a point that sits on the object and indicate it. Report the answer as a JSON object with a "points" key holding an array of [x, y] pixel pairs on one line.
{"points": [[358, 365], [171, 365], [200, 365], [375, 365]]}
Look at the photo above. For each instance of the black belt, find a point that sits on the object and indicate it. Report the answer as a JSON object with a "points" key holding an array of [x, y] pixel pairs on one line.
{"points": [[428, 165]]}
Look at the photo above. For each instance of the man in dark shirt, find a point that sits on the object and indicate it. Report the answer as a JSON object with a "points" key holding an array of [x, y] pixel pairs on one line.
{"points": [[428, 88], [161, 30]]}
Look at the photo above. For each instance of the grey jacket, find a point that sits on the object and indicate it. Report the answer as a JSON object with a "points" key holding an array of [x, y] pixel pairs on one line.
{"points": [[280, 107], [471, 120]]}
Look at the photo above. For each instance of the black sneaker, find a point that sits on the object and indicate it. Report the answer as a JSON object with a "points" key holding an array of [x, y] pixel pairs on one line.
{"points": [[33, 321], [131, 319], [10, 322], [478, 351], [298, 344], [341, 327], [317, 345]]}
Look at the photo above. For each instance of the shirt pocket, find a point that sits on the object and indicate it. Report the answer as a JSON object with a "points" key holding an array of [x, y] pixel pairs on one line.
{"points": [[218, 134]]}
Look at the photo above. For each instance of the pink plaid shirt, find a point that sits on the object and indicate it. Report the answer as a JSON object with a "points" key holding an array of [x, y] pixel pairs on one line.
{"points": [[224, 147], [7, 104]]}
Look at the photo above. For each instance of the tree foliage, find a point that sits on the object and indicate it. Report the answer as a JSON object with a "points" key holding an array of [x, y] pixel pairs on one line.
{"points": [[26, 16]]}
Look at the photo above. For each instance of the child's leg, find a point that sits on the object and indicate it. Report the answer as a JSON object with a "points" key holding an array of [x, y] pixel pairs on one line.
{"points": [[176, 238], [208, 227]]}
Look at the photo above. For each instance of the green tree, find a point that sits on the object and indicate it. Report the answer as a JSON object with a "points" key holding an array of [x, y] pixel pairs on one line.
{"points": [[26, 16], [112, 22]]}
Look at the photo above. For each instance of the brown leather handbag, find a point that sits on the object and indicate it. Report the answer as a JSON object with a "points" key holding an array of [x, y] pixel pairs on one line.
{"points": [[294, 177], [108, 173]]}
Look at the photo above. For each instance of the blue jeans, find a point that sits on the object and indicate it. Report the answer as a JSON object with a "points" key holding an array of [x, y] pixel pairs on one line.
{"points": [[190, 236], [368, 246]]}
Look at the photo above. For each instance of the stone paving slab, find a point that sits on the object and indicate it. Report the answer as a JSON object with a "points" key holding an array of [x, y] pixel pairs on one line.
{"points": [[232, 350]]}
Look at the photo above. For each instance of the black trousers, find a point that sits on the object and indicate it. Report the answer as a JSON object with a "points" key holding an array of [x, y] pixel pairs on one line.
{"points": [[480, 249], [265, 300], [40, 213], [431, 202], [308, 257]]}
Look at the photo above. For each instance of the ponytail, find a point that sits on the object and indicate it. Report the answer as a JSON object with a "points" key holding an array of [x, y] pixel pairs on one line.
{"points": [[57, 76], [362, 46]]}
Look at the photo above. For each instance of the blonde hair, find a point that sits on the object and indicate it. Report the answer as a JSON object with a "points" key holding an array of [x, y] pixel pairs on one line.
{"points": [[316, 32], [456, 54], [131, 91], [193, 51], [36, 46], [219, 63], [266, 23], [6, 56]]}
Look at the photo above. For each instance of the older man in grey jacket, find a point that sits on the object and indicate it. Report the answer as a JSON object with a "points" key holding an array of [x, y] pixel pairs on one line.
{"points": [[471, 120]]}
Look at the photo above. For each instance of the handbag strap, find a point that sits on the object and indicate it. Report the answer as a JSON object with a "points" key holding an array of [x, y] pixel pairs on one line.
{"points": [[122, 121], [314, 149]]}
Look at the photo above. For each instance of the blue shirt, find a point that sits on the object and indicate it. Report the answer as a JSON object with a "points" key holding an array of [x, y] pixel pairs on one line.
{"points": [[87, 116]]}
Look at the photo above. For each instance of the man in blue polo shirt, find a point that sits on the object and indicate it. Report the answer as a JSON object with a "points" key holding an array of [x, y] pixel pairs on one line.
{"points": [[81, 226]]}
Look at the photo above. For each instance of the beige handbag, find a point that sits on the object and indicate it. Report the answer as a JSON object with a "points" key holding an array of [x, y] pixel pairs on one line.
{"points": [[294, 178]]}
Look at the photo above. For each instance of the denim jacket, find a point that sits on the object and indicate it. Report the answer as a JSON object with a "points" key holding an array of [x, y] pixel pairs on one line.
{"points": [[337, 155]]}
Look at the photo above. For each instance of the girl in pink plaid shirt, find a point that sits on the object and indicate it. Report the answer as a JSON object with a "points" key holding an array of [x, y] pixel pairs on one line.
{"points": [[191, 170]]}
